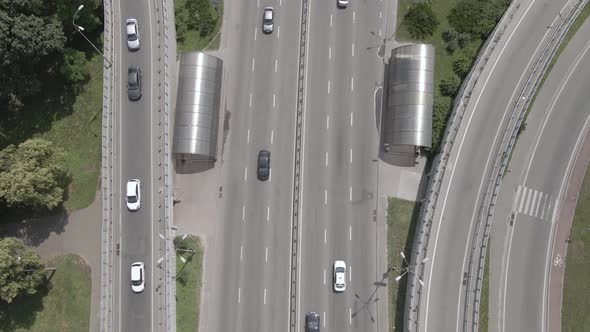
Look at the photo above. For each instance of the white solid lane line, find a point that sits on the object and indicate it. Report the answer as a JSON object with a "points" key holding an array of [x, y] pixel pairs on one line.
{"points": [[326, 158], [272, 135]]}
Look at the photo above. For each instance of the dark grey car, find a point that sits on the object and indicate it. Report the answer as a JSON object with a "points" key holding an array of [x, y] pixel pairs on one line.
{"points": [[312, 322], [134, 83], [263, 169]]}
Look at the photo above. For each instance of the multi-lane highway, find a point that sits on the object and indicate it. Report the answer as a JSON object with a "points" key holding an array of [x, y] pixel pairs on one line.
{"points": [[248, 285], [135, 230], [533, 191], [443, 295], [339, 186]]}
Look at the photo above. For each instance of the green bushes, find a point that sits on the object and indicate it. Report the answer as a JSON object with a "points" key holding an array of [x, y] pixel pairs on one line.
{"points": [[195, 19], [477, 17], [421, 20]]}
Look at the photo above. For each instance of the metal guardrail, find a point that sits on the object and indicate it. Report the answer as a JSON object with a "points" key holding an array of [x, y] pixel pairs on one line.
{"points": [[422, 237], [297, 168], [106, 310], [504, 150]]}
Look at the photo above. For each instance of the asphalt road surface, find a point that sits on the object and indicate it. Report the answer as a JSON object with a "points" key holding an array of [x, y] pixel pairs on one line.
{"points": [[248, 288], [339, 164], [443, 294], [133, 312], [535, 188]]}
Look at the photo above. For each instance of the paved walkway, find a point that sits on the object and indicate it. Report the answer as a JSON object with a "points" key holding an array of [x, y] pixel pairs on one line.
{"points": [[78, 233]]}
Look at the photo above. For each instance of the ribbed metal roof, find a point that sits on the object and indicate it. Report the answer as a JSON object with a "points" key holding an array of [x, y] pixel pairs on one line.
{"points": [[408, 118], [197, 105]]}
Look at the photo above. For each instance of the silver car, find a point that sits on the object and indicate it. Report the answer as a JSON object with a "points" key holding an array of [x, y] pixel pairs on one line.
{"points": [[132, 35], [267, 20]]}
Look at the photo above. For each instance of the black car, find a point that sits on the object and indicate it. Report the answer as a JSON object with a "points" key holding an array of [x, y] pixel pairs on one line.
{"points": [[134, 83], [263, 170], [312, 322]]}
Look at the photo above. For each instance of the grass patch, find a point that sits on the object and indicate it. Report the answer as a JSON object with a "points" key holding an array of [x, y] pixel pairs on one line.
{"points": [[576, 289], [61, 305], [79, 133], [402, 217], [485, 294], [192, 39], [188, 284]]}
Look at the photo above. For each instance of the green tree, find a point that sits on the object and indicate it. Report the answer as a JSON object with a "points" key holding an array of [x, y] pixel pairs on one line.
{"points": [[75, 68], [21, 271], [462, 64], [441, 109], [477, 17], [33, 174], [450, 85], [420, 20], [449, 34]]}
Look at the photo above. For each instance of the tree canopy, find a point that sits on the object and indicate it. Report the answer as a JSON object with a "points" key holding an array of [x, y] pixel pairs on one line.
{"points": [[33, 174], [21, 271], [420, 20]]}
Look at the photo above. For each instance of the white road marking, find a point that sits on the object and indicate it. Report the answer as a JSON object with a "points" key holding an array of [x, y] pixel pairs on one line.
{"points": [[351, 156], [330, 19], [329, 53], [245, 173], [250, 99], [257, 3], [534, 202], [379, 32], [326, 158], [352, 49], [517, 197], [248, 136], [280, 3], [324, 319], [266, 254], [278, 32], [325, 197], [328, 86], [255, 33], [243, 212], [276, 65], [352, 84], [544, 207], [528, 201], [265, 296], [324, 276], [380, 16], [272, 134], [522, 198], [327, 122], [274, 100], [239, 293], [351, 118], [350, 233], [349, 273], [350, 193], [267, 213], [325, 235], [241, 252], [350, 316], [538, 205], [252, 64], [353, 16]]}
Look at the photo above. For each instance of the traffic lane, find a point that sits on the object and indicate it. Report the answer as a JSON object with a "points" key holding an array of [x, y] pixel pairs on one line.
{"points": [[480, 133]]}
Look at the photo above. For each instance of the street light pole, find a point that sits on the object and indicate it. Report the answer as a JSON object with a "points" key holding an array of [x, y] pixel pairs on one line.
{"points": [[81, 28]]}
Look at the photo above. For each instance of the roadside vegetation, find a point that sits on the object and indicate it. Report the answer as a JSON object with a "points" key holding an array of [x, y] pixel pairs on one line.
{"points": [[54, 300], [198, 24], [189, 276], [457, 29], [51, 102], [402, 217], [576, 289], [485, 293]]}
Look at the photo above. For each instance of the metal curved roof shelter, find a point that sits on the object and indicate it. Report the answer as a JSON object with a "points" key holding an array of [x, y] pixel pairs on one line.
{"points": [[408, 118], [197, 106]]}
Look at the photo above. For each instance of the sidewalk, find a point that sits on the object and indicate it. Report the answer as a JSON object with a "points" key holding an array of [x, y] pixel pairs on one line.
{"points": [[78, 233]]}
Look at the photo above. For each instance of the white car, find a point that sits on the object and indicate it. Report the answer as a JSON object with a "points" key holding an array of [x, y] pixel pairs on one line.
{"points": [[339, 276], [132, 34], [137, 277], [267, 22], [133, 197], [342, 3]]}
